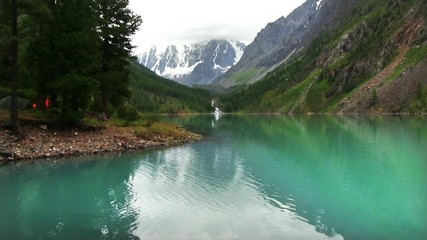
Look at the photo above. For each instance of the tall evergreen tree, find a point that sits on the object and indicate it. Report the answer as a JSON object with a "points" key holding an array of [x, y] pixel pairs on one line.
{"points": [[117, 24], [62, 55], [72, 49], [10, 65], [37, 58], [14, 66], [76, 55], [5, 42]]}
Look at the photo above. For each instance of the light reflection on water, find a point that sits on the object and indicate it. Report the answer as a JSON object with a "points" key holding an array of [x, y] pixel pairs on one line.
{"points": [[194, 202], [252, 177]]}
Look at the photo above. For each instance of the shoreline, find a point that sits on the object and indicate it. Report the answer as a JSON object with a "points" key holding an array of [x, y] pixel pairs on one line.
{"points": [[37, 143]]}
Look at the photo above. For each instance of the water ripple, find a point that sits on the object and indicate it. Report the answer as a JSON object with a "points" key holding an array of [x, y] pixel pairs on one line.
{"points": [[273, 178]]}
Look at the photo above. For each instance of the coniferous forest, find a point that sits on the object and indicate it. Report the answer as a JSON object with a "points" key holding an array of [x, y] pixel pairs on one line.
{"points": [[74, 53], [71, 57]]}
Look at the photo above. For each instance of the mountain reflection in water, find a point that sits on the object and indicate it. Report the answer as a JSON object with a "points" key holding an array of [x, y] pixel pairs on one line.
{"points": [[251, 177]]}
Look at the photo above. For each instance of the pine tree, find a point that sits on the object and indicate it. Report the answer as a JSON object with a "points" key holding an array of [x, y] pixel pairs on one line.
{"points": [[5, 43], [66, 56], [117, 24], [9, 55], [37, 61], [76, 53], [14, 67], [10, 65]]}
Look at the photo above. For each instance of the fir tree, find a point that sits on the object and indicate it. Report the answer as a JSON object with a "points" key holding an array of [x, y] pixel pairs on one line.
{"points": [[14, 66], [73, 56], [5, 42], [117, 24]]}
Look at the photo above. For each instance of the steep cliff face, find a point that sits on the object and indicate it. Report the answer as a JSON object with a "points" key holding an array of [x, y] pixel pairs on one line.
{"points": [[395, 71], [280, 40], [198, 63], [366, 57], [319, 16]]}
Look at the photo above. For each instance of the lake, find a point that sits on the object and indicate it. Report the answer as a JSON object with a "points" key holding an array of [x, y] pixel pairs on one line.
{"points": [[251, 177]]}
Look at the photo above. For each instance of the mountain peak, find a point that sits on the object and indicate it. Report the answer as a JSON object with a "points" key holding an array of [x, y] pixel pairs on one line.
{"points": [[198, 63]]}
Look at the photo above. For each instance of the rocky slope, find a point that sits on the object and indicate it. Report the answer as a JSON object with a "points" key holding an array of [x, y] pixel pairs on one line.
{"points": [[198, 63], [368, 56], [280, 40]]}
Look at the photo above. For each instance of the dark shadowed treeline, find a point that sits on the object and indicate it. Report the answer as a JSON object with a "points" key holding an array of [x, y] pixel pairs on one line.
{"points": [[74, 53]]}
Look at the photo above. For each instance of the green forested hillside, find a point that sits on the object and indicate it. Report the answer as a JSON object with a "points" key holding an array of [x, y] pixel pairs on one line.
{"points": [[374, 61], [151, 93]]}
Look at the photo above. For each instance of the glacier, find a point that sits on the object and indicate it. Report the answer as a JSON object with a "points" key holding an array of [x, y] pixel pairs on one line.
{"points": [[318, 4], [198, 63]]}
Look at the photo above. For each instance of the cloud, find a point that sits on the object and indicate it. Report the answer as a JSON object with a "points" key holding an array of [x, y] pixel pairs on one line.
{"points": [[215, 31], [187, 21]]}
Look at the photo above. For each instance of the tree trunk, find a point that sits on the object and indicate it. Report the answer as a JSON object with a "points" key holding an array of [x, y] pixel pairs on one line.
{"points": [[105, 101], [14, 67], [104, 89]]}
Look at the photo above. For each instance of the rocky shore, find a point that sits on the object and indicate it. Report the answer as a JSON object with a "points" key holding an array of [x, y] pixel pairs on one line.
{"points": [[40, 142]]}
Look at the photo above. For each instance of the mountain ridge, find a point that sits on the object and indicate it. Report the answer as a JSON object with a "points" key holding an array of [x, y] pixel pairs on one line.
{"points": [[369, 56], [198, 63], [154, 94], [286, 37]]}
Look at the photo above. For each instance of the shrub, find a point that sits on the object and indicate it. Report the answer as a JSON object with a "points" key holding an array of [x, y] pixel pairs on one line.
{"points": [[69, 119], [128, 113]]}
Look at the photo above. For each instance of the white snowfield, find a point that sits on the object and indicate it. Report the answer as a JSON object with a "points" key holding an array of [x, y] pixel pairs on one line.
{"points": [[182, 60]]}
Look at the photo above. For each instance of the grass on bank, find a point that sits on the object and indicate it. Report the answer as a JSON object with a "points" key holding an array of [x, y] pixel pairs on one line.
{"points": [[146, 126], [413, 57]]}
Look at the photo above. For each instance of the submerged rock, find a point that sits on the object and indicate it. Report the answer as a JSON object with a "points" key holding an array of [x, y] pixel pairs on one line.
{"points": [[6, 153]]}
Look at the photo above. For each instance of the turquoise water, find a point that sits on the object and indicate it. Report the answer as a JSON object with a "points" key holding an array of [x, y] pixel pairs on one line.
{"points": [[251, 177]]}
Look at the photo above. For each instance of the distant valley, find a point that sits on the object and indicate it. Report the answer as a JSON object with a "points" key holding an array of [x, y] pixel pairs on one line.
{"points": [[354, 56]]}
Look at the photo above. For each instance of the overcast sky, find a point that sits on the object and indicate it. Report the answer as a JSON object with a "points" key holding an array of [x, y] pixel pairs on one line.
{"points": [[187, 21]]}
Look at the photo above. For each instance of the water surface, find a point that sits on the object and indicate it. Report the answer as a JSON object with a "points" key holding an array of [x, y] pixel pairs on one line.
{"points": [[251, 177]]}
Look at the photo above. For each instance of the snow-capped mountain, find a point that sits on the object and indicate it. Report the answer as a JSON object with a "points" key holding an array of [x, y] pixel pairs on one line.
{"points": [[198, 63]]}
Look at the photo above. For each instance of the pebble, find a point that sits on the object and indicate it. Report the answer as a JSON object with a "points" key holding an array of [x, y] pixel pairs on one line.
{"points": [[5, 153], [42, 143]]}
